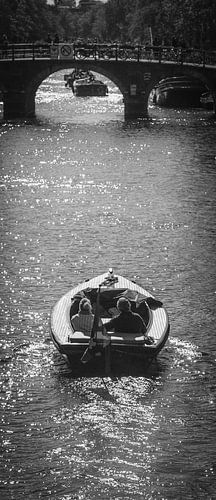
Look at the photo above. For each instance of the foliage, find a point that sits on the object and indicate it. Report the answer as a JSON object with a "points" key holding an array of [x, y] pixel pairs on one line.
{"points": [[23, 20], [184, 22]]}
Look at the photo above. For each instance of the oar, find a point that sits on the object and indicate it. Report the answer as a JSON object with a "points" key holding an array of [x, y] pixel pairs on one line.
{"points": [[87, 355]]}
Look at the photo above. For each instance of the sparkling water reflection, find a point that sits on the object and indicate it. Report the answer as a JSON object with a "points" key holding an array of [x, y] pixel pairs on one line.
{"points": [[82, 191]]}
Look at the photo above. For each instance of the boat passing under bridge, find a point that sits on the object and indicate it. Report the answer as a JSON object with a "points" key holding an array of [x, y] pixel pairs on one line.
{"points": [[134, 69]]}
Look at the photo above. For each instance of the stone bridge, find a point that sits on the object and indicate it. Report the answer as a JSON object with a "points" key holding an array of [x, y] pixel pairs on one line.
{"points": [[135, 70]]}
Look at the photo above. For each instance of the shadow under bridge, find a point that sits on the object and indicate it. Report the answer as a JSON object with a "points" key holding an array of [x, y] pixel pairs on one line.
{"points": [[21, 77]]}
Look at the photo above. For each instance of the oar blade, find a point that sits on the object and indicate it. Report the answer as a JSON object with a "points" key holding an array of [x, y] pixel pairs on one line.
{"points": [[87, 355], [89, 352]]}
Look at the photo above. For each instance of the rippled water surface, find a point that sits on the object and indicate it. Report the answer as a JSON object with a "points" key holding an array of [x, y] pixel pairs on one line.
{"points": [[81, 190]]}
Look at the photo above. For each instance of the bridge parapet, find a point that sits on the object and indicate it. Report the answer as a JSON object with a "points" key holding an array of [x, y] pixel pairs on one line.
{"points": [[135, 69], [117, 52]]}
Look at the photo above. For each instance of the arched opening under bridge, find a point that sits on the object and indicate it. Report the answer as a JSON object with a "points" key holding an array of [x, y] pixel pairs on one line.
{"points": [[55, 99], [180, 90], [134, 79]]}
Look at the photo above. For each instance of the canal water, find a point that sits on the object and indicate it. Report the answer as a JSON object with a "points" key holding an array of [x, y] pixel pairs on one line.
{"points": [[81, 190]]}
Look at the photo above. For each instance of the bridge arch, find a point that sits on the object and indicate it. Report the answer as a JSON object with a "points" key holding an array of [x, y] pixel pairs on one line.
{"points": [[20, 80], [139, 78], [190, 73], [45, 73]]}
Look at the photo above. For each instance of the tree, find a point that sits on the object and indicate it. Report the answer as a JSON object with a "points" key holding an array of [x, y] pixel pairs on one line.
{"points": [[99, 29], [116, 13], [190, 22]]}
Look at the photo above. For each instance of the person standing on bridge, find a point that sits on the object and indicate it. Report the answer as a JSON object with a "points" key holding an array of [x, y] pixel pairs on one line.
{"points": [[56, 39], [49, 39]]}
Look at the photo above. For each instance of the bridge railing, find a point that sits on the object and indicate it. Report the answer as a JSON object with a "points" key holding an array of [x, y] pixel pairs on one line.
{"points": [[14, 52], [117, 52]]}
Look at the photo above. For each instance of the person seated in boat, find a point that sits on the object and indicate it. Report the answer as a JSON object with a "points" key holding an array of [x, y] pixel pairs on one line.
{"points": [[83, 320], [126, 321]]}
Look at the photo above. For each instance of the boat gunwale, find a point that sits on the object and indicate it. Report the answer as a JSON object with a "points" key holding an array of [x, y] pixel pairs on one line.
{"points": [[70, 348]]}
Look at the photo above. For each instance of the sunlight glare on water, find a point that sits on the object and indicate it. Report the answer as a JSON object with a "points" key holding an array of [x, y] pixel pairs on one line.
{"points": [[81, 191]]}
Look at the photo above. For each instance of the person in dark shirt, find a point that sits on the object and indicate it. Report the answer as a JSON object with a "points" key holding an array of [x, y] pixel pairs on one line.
{"points": [[126, 321], [56, 39]]}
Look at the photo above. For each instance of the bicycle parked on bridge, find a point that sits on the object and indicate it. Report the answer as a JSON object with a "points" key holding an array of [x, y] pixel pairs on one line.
{"points": [[109, 51], [84, 51]]}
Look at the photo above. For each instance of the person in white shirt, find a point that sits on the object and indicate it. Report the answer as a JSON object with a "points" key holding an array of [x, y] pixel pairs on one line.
{"points": [[83, 320]]}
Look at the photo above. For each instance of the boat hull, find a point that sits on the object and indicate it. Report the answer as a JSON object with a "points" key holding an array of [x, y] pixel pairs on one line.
{"points": [[180, 98], [120, 351], [178, 92], [90, 89], [84, 84]]}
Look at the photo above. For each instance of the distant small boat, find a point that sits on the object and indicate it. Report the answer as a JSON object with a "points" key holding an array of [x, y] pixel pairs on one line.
{"points": [[111, 349], [84, 84], [84, 88], [207, 101], [178, 91]]}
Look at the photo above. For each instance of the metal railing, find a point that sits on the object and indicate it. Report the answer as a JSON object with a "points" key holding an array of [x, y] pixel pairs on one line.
{"points": [[117, 52]]}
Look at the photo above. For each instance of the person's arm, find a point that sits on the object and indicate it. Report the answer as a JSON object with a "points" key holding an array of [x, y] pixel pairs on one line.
{"points": [[109, 325], [143, 327]]}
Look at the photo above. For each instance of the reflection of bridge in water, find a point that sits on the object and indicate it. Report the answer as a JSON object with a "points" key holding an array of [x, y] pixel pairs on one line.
{"points": [[134, 69]]}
